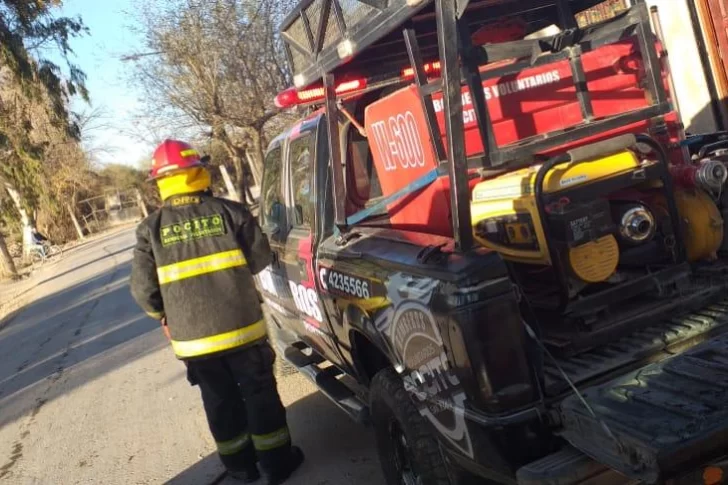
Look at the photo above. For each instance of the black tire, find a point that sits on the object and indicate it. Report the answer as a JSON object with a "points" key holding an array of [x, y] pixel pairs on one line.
{"points": [[394, 417]]}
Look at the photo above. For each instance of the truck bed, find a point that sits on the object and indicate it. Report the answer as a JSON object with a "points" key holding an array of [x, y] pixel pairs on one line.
{"points": [[660, 420], [652, 343]]}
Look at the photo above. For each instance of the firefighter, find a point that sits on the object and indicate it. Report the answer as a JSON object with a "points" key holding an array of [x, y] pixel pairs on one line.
{"points": [[193, 271]]}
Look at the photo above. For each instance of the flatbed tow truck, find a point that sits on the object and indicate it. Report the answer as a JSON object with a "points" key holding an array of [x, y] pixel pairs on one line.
{"points": [[494, 243]]}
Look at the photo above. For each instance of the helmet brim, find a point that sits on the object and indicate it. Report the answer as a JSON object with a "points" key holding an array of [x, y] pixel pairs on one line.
{"points": [[173, 169]]}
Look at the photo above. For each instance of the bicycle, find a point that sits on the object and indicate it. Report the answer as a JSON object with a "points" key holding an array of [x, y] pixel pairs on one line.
{"points": [[44, 252]]}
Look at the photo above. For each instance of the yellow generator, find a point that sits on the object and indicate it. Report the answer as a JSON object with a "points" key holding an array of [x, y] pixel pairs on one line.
{"points": [[600, 215]]}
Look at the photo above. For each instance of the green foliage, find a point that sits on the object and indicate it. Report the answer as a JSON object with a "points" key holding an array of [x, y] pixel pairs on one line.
{"points": [[121, 177], [39, 139], [27, 26]]}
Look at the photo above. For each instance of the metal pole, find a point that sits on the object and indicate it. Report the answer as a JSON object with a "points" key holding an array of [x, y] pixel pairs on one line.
{"points": [[653, 73], [579, 76], [88, 226], [447, 36], [337, 170], [413, 50], [566, 15], [141, 204], [93, 213], [229, 184], [79, 231], [257, 176], [480, 104]]}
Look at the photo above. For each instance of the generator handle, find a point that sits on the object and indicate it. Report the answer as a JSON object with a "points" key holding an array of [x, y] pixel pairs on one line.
{"points": [[601, 149], [668, 188], [541, 208]]}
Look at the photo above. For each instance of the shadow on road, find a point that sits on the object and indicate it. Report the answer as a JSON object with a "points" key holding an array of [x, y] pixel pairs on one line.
{"points": [[338, 451], [69, 338], [84, 265], [208, 471]]}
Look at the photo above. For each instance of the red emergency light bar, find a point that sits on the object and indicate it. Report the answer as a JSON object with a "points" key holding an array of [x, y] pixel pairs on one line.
{"points": [[428, 68], [293, 97]]}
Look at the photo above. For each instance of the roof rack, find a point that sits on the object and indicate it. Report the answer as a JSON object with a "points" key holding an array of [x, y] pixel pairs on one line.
{"points": [[321, 35], [324, 36], [331, 39]]}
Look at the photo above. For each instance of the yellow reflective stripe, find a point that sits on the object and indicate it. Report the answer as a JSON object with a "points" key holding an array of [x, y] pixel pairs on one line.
{"points": [[156, 315], [199, 266], [188, 153], [271, 441], [219, 343], [234, 445]]}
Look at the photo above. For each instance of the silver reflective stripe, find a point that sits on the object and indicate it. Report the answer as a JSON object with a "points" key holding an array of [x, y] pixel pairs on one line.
{"points": [[199, 266], [272, 440], [221, 342], [234, 445]]}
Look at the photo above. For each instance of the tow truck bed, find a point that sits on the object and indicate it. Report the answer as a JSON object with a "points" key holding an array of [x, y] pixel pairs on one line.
{"points": [[664, 418]]}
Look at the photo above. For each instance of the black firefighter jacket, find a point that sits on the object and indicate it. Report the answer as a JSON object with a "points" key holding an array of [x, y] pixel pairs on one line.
{"points": [[194, 264]]}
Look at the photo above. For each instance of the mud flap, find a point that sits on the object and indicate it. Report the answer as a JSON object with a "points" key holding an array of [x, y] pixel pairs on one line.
{"points": [[660, 421]]}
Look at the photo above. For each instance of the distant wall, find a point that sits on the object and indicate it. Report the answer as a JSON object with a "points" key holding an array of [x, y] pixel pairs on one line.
{"points": [[124, 216], [691, 86]]}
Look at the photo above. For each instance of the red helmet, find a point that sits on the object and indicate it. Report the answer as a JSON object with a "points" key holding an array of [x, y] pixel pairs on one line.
{"points": [[172, 156]]}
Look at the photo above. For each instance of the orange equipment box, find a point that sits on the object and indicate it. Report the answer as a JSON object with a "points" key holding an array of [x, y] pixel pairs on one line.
{"points": [[403, 155]]}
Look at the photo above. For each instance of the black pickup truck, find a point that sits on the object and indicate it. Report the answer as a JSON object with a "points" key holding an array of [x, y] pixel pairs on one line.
{"points": [[550, 309]]}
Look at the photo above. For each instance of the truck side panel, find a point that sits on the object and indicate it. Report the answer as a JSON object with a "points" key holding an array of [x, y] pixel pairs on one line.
{"points": [[444, 334]]}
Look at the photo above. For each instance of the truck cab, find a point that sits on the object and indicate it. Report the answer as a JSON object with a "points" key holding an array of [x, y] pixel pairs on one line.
{"points": [[492, 244], [382, 297]]}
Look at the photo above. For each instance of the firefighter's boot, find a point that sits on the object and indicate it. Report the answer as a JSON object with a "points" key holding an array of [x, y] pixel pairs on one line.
{"points": [[280, 475], [249, 475]]}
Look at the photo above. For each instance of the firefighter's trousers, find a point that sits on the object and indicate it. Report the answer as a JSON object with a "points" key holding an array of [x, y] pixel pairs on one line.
{"points": [[243, 408]]}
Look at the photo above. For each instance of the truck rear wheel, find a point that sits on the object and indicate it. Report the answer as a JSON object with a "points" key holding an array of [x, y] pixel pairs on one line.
{"points": [[409, 453]]}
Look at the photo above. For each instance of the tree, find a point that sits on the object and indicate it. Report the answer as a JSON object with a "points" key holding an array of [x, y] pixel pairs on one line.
{"points": [[218, 67], [34, 95]]}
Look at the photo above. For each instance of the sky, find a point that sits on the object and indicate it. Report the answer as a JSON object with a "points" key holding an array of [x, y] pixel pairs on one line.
{"points": [[98, 55]]}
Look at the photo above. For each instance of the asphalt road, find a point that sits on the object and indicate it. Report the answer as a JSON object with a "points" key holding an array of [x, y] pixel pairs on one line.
{"points": [[90, 392]]}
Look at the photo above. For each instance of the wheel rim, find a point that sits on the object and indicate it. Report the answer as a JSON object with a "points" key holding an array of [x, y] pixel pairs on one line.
{"points": [[402, 455]]}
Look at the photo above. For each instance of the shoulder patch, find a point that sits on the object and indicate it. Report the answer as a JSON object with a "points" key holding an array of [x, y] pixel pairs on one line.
{"points": [[193, 229]]}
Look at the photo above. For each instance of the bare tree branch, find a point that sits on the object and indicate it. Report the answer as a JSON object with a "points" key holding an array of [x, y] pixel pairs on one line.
{"points": [[221, 64]]}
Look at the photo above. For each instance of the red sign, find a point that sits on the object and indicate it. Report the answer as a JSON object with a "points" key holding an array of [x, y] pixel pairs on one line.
{"points": [[402, 151]]}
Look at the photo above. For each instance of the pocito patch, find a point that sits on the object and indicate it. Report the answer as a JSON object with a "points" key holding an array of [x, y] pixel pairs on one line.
{"points": [[193, 229]]}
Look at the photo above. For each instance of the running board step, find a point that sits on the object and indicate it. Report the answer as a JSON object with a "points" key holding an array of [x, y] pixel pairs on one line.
{"points": [[327, 382], [294, 355]]}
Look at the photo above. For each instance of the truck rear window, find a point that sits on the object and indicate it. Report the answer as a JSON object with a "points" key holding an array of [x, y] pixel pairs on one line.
{"points": [[363, 182]]}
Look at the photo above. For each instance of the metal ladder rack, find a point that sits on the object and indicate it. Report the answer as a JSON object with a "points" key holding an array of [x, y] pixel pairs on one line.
{"points": [[328, 39]]}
